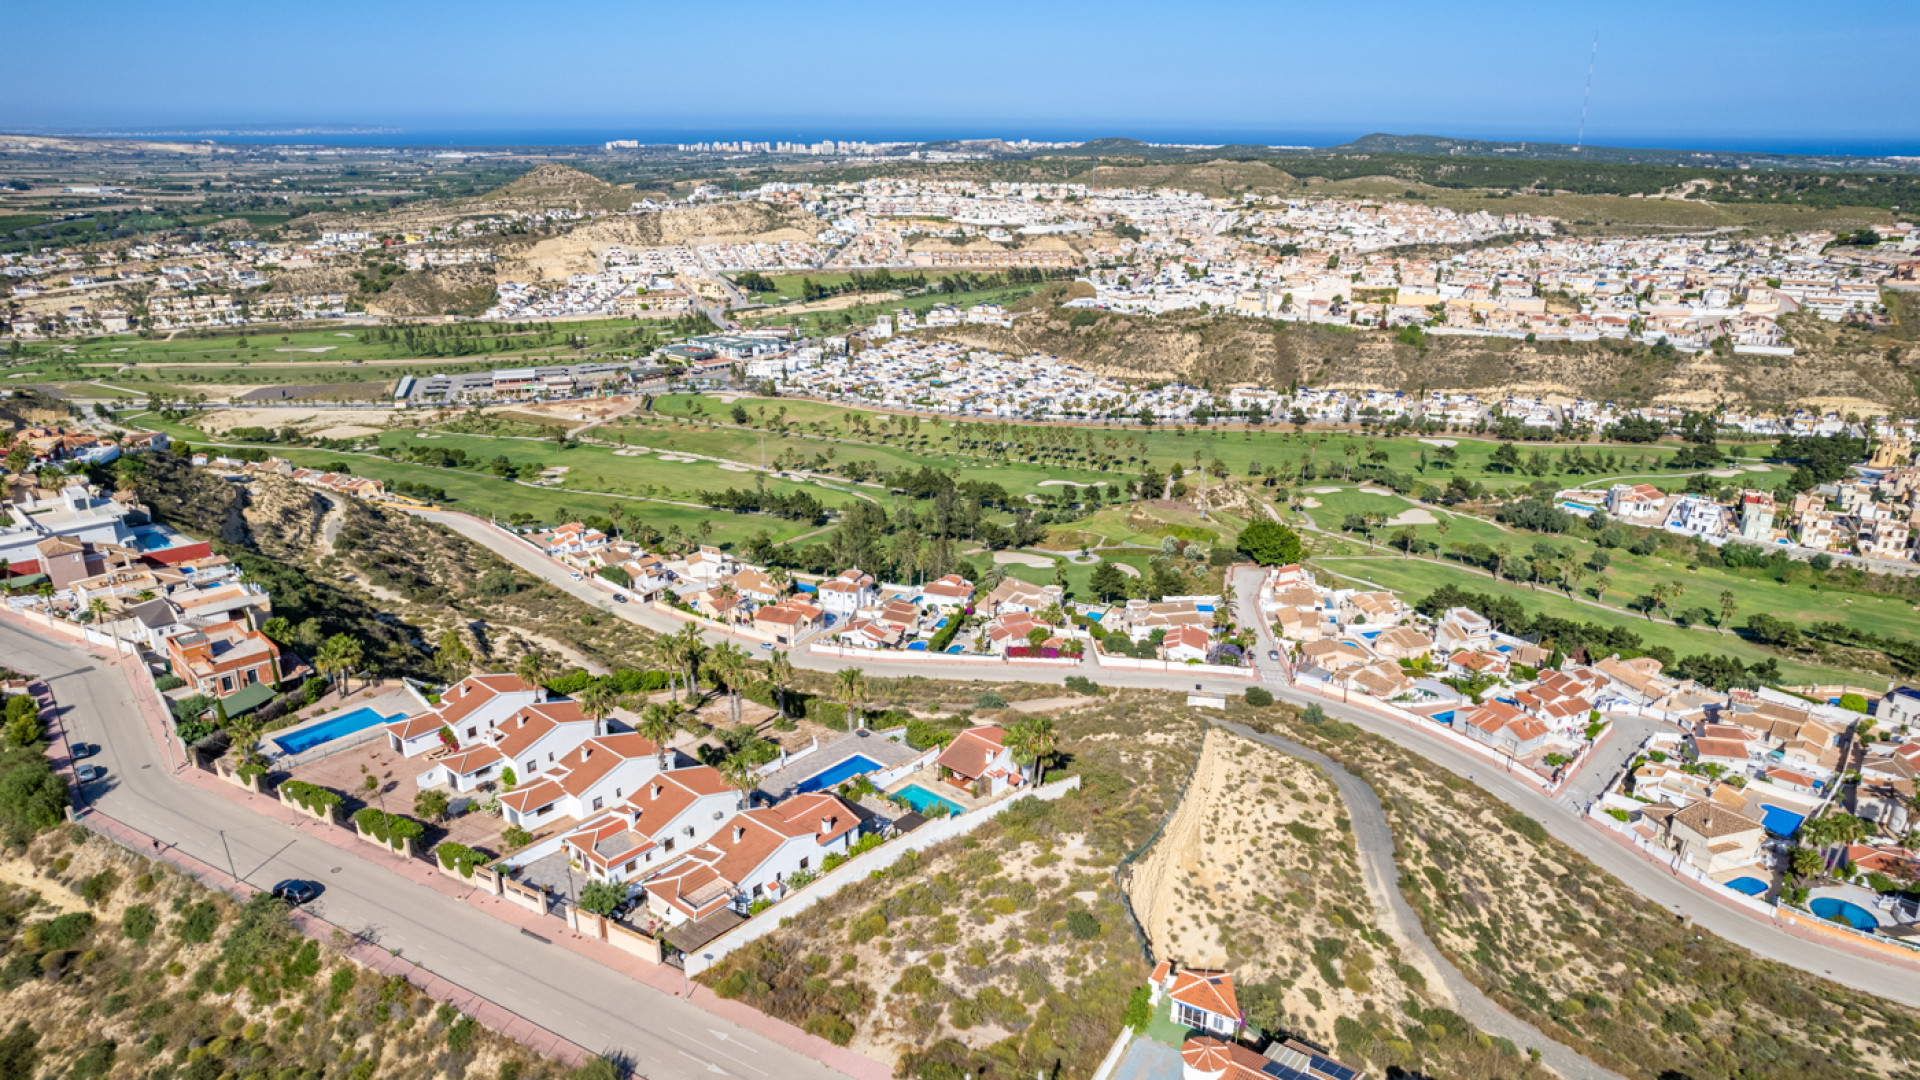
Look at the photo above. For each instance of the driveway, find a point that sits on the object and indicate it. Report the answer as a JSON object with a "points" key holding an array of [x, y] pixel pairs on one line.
{"points": [[569, 994]]}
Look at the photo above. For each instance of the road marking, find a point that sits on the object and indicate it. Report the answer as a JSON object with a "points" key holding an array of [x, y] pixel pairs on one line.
{"points": [[711, 1067]]}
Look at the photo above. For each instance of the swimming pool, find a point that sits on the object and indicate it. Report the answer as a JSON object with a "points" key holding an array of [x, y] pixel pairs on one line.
{"points": [[1834, 909], [307, 738], [923, 800], [917, 646], [846, 769], [1444, 717], [1748, 886], [1780, 822]]}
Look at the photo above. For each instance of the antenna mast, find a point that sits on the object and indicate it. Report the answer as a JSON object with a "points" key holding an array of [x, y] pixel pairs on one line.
{"points": [[1581, 139]]}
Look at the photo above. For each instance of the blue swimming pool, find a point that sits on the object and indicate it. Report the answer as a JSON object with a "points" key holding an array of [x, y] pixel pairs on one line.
{"points": [[1748, 886], [917, 646], [922, 800], [1097, 616], [845, 769], [1444, 717], [1780, 822], [307, 738], [1834, 909]]}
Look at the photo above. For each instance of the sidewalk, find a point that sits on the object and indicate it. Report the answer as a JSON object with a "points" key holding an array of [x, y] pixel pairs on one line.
{"points": [[417, 870]]}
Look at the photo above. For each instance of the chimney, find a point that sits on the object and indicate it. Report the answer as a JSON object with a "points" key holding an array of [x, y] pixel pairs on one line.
{"points": [[738, 832], [585, 753], [657, 789], [826, 825]]}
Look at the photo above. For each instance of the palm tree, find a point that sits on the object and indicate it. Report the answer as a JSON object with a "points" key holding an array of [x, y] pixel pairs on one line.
{"points": [[780, 674], [730, 665], [533, 668], [1501, 553], [853, 689], [597, 702], [737, 771], [665, 651], [691, 650], [1656, 598], [338, 656], [1442, 526], [658, 725], [1600, 586], [1727, 607], [1034, 742]]}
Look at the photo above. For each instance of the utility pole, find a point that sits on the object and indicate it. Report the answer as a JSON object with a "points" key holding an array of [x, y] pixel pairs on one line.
{"points": [[231, 872]]}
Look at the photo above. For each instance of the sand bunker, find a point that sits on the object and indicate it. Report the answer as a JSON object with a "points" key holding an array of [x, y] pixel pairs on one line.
{"points": [[1440, 442], [316, 349], [1007, 558], [678, 459], [1376, 491], [1130, 571], [731, 467], [1758, 468], [1071, 483], [1724, 473], [1325, 490], [1413, 516], [1310, 503]]}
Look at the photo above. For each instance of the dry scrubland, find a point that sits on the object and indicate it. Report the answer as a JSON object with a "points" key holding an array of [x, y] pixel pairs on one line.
{"points": [[1005, 950], [114, 966], [1570, 949], [1841, 369], [1256, 873], [393, 580]]}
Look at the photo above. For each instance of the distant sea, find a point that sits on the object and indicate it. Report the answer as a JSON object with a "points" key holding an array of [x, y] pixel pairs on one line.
{"points": [[1852, 145]]}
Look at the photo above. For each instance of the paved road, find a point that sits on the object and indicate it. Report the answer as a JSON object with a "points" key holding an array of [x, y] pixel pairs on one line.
{"points": [[1374, 839], [575, 997], [1562, 816]]}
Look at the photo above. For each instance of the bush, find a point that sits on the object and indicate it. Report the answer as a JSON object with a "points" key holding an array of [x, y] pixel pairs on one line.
{"points": [[311, 797], [1139, 1009], [1259, 696], [990, 699], [1082, 925], [601, 897], [139, 922], [459, 857], [168, 682], [393, 830], [1526, 827], [516, 837], [197, 923], [1080, 684]]}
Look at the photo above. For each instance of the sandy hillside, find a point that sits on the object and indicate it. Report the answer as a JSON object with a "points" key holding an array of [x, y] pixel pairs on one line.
{"points": [[725, 223], [1257, 873], [321, 423]]}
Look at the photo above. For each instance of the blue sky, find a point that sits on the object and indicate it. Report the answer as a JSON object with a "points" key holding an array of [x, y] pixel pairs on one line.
{"points": [[1763, 74]]}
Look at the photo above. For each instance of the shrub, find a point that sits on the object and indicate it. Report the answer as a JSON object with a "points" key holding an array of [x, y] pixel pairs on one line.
{"points": [[516, 837], [169, 682], [601, 897], [1259, 696], [139, 922], [990, 699], [393, 830], [1139, 1009], [1526, 827], [198, 922], [1080, 684], [459, 857], [1082, 925]]}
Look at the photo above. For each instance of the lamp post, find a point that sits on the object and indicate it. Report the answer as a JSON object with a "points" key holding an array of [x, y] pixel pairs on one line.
{"points": [[231, 872]]}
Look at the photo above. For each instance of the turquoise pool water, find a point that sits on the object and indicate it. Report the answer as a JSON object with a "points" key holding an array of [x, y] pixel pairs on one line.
{"points": [[844, 770], [1834, 909], [359, 719], [1750, 886], [921, 799]]}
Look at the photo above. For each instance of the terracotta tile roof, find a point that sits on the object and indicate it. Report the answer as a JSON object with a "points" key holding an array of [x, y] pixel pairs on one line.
{"points": [[972, 750], [1211, 991]]}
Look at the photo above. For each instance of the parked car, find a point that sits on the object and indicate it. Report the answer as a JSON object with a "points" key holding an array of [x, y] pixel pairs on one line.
{"points": [[297, 891], [618, 599], [575, 576], [89, 773], [81, 750], [1273, 654]]}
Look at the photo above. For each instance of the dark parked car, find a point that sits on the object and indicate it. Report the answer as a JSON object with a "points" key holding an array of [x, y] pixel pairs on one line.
{"points": [[89, 773], [1273, 654], [296, 891], [84, 750]]}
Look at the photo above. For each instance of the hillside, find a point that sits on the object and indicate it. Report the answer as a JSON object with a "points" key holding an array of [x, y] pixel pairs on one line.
{"points": [[1837, 368], [443, 290], [552, 186], [720, 223]]}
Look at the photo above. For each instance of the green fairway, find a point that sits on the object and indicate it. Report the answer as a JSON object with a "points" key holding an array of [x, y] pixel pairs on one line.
{"points": [[830, 322]]}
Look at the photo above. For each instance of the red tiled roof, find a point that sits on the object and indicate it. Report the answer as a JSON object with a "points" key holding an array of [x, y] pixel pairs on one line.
{"points": [[971, 751], [1211, 991]]}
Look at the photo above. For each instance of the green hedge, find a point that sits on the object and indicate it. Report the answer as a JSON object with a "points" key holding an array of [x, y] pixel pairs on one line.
{"points": [[945, 635], [311, 797], [459, 857], [389, 829]]}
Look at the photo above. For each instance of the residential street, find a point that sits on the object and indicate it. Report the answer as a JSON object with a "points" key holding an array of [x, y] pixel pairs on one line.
{"points": [[569, 994], [1562, 817]]}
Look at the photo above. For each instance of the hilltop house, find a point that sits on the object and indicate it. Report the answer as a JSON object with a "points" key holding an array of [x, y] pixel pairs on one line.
{"points": [[469, 710], [751, 856], [979, 761], [1202, 1000], [674, 811]]}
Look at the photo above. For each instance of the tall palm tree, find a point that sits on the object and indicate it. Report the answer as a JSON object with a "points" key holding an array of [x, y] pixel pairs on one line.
{"points": [[665, 651], [597, 702], [691, 651], [853, 689], [534, 668], [737, 771], [658, 725], [780, 674], [730, 664]]}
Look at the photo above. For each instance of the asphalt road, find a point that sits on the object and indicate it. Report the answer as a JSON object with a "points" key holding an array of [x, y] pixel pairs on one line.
{"points": [[1561, 816], [664, 1036], [1374, 840]]}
